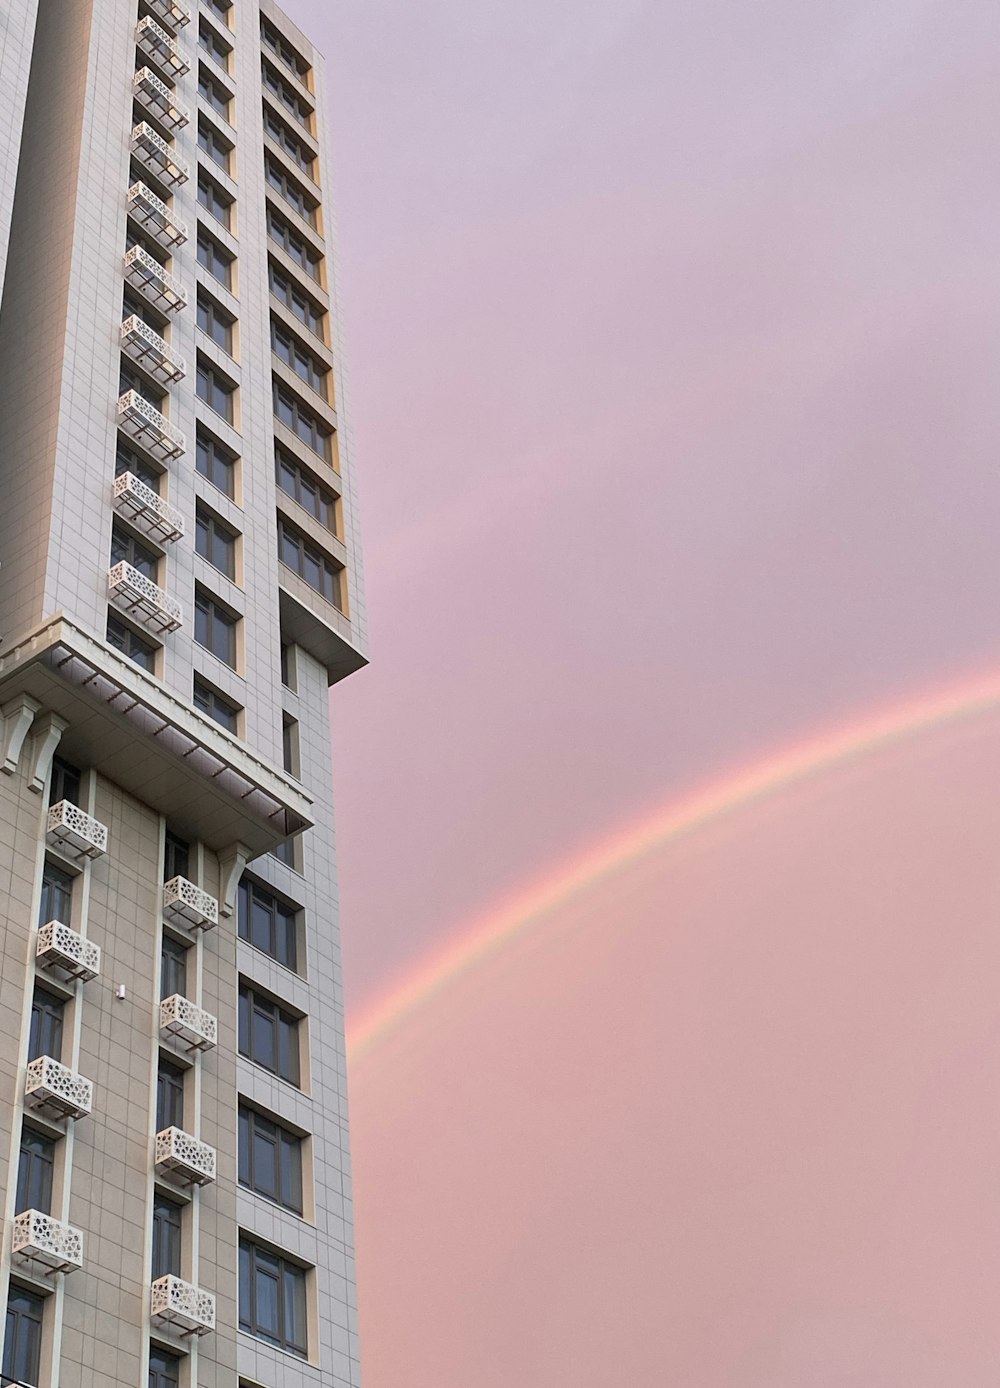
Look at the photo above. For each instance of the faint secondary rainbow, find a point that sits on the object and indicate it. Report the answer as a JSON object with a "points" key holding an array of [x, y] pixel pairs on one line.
{"points": [[690, 811]]}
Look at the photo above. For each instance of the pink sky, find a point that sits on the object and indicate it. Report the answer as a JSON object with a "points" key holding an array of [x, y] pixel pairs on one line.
{"points": [[674, 355]]}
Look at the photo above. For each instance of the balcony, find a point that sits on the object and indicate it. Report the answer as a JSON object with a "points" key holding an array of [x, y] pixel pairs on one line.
{"points": [[144, 423], [185, 1307], [75, 832], [142, 599], [179, 1152], [186, 904], [153, 214], [50, 1085], [39, 1238], [185, 1021], [156, 98], [61, 948], [156, 156], [156, 285], [149, 350], [162, 51], [147, 510], [171, 12]]}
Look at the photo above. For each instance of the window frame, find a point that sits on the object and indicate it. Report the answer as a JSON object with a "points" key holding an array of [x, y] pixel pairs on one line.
{"points": [[170, 1095], [131, 641], [211, 702], [278, 917], [214, 46], [254, 1005], [253, 1127], [293, 352], [208, 608], [22, 1360], [218, 254], [47, 1024], [215, 539], [215, 389], [168, 1235], [65, 782], [211, 91], [55, 901], [173, 967], [253, 1257], [311, 556], [289, 293], [220, 461], [176, 856], [214, 144], [307, 426], [33, 1190], [216, 201], [296, 246]]}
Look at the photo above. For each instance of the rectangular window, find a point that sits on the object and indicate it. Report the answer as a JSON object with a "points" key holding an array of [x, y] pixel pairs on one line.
{"points": [[290, 191], [272, 1298], [296, 247], [65, 784], [285, 93], [294, 299], [302, 557], [216, 48], [283, 50], [268, 1035], [215, 463], [303, 423], [173, 968], [282, 136], [176, 857], [129, 379], [215, 541], [22, 1345], [216, 390], [34, 1172], [270, 1159], [45, 1035], [287, 852], [213, 92], [220, 8], [215, 258], [267, 922], [220, 709], [215, 628], [169, 1096], [166, 1237], [290, 745], [164, 1368], [214, 144], [217, 322], [311, 495], [124, 545], [287, 666], [215, 200], [131, 644], [56, 902], [286, 346], [127, 460]]}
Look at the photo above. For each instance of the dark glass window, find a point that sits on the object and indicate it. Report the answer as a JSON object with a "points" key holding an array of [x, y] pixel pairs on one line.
{"points": [[272, 1298], [290, 745], [213, 92], [287, 852], [56, 902], [286, 346], [34, 1172], [220, 8], [311, 495], [215, 200], [176, 857], [169, 1096], [214, 320], [302, 422], [216, 48], [45, 1036], [215, 258], [173, 968], [268, 1035], [216, 705], [214, 541], [215, 628], [216, 463], [296, 150], [270, 1159], [127, 460], [122, 637], [290, 191], [282, 49], [284, 289], [300, 555], [22, 1345], [215, 389], [215, 145], [267, 922], [126, 546], [164, 1369], [285, 93], [294, 245], [166, 1237], [65, 782], [134, 380], [287, 666]]}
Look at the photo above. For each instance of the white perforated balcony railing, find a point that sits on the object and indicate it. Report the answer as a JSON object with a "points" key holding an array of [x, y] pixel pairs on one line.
{"points": [[41, 1239], [155, 155], [155, 96], [163, 51], [144, 423], [155, 217], [187, 1022], [171, 12], [59, 947], [146, 509], [156, 285], [145, 346], [77, 833], [182, 1305], [186, 904], [143, 599], [50, 1085], [185, 1156]]}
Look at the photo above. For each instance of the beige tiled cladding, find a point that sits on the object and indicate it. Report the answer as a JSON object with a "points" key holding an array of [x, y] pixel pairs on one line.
{"points": [[59, 365]]}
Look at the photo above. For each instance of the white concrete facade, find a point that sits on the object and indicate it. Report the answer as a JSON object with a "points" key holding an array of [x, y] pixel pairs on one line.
{"points": [[180, 582]]}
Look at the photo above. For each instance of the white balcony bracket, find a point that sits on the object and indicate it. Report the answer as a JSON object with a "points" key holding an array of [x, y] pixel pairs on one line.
{"points": [[75, 832], [48, 732], [141, 598], [156, 156], [184, 1307], [185, 1021], [18, 716], [146, 509], [38, 1238], [153, 214], [54, 1087], [156, 285], [158, 99], [171, 12], [61, 948], [160, 48], [231, 865], [185, 1156], [186, 904]]}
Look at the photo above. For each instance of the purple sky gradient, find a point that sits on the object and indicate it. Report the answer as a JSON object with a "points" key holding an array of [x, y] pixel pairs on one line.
{"points": [[674, 350]]}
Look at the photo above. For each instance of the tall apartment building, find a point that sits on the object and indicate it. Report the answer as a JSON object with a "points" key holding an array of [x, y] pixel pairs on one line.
{"points": [[179, 584]]}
